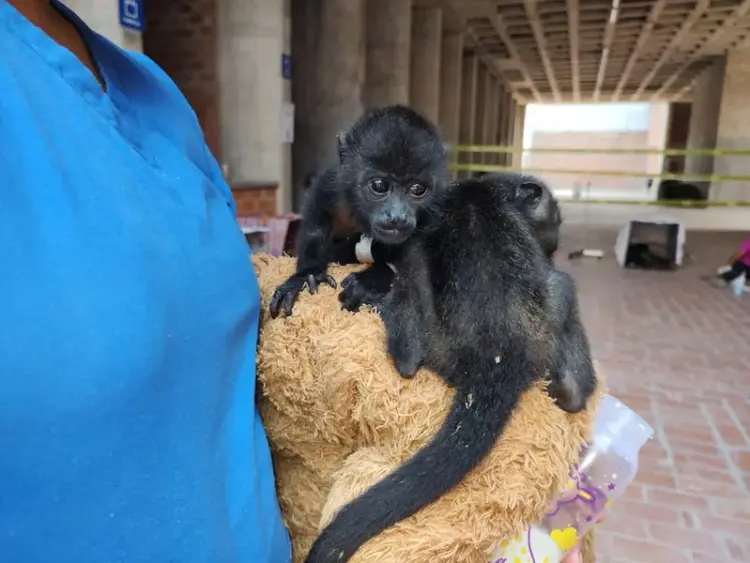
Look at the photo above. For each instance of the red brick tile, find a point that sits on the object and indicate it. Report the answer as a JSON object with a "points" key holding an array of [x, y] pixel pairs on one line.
{"points": [[678, 536], [739, 550], [631, 549], [742, 461], [730, 526], [674, 499]]}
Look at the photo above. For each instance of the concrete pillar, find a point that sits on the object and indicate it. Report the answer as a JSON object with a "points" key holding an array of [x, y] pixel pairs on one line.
{"points": [[503, 124], [518, 131], [482, 111], [328, 46], [104, 18], [490, 137], [388, 52], [251, 41], [450, 85], [734, 124], [657, 140], [510, 129], [704, 121], [469, 80], [424, 85]]}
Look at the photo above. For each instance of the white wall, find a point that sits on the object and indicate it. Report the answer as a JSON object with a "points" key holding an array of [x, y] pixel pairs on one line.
{"points": [[104, 18], [253, 34]]}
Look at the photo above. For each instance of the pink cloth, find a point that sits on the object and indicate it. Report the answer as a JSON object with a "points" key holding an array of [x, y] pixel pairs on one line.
{"points": [[745, 250]]}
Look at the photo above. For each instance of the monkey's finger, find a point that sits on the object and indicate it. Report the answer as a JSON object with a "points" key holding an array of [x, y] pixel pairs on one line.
{"points": [[312, 284], [344, 295], [330, 281], [273, 307], [289, 300]]}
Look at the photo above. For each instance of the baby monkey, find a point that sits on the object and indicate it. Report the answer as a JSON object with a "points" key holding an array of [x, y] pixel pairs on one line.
{"points": [[387, 184], [571, 375]]}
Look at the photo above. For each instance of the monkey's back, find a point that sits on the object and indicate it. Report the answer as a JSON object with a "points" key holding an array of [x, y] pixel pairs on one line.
{"points": [[488, 274]]}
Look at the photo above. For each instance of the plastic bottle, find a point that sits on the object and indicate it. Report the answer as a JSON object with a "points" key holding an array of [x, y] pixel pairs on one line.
{"points": [[608, 464], [738, 285]]}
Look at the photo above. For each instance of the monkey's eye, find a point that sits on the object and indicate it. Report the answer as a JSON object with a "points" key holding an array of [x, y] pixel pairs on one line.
{"points": [[418, 190], [379, 187]]}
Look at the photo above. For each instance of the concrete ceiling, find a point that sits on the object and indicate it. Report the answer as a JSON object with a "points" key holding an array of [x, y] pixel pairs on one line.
{"points": [[600, 50]]}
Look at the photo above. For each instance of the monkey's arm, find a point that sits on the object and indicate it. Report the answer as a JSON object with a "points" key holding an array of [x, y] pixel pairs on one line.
{"points": [[408, 312], [314, 245], [366, 287], [572, 377], [371, 285]]}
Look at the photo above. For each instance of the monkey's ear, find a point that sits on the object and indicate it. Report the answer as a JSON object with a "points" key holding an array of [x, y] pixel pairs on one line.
{"points": [[529, 191]]}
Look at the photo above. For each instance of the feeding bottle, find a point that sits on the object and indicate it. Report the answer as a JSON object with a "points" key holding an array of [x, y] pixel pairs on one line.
{"points": [[608, 464]]}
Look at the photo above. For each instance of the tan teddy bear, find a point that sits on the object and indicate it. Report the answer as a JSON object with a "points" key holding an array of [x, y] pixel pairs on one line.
{"points": [[339, 418]]}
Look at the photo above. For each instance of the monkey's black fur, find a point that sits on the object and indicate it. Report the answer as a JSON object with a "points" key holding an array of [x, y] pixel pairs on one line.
{"points": [[469, 301], [387, 184], [572, 375]]}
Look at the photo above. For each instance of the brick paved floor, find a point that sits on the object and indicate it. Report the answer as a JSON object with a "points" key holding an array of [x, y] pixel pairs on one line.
{"points": [[677, 351]]}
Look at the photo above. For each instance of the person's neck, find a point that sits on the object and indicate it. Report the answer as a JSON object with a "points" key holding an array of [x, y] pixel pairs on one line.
{"points": [[39, 12], [46, 17]]}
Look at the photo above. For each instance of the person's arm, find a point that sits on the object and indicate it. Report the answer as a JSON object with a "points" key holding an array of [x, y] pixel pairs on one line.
{"points": [[736, 256]]}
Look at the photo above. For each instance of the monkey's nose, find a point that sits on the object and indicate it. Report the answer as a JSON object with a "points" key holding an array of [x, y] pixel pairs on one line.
{"points": [[396, 224]]}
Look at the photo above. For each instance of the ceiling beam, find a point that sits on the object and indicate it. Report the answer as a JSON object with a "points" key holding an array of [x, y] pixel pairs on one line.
{"points": [[700, 7], [502, 32], [726, 25], [490, 62], [653, 17], [573, 16], [541, 44], [609, 33]]}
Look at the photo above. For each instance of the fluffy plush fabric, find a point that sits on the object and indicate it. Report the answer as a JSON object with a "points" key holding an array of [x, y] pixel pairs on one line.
{"points": [[339, 418]]}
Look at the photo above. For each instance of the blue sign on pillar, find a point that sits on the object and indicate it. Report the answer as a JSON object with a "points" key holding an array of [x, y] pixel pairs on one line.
{"points": [[286, 66], [131, 14]]}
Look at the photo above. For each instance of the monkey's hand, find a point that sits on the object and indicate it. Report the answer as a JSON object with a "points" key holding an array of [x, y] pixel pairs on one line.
{"points": [[286, 294], [368, 287], [565, 388], [406, 355]]}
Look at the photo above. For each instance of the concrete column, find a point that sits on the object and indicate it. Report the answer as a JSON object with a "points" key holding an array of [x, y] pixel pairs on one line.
{"points": [[424, 85], [388, 52], [469, 81], [450, 85], [328, 46], [704, 121], [482, 111], [518, 130], [503, 125], [490, 133], [510, 129], [252, 93], [104, 18], [501, 117]]}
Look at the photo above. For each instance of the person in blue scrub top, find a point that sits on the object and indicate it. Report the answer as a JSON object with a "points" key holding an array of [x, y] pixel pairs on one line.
{"points": [[128, 316]]}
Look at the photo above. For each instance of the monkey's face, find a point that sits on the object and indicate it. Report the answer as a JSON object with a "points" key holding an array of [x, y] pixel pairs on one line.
{"points": [[389, 207]]}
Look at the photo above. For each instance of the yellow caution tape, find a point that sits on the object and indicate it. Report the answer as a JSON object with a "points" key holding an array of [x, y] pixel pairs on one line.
{"points": [[667, 152], [661, 202], [618, 173]]}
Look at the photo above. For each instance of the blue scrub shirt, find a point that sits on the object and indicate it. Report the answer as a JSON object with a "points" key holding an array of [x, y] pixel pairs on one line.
{"points": [[128, 322]]}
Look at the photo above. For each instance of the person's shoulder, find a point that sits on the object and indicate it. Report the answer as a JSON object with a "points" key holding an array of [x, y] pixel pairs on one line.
{"points": [[160, 107]]}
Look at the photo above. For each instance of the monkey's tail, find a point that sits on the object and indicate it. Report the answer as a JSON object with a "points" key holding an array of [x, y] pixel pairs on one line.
{"points": [[475, 421]]}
